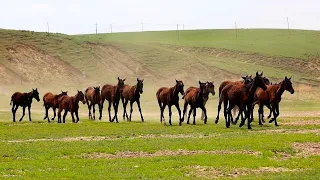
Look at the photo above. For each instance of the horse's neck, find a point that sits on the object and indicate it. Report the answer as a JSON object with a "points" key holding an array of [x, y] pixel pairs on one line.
{"points": [[117, 89], [136, 92], [76, 99], [252, 89], [30, 95], [280, 89], [175, 92]]}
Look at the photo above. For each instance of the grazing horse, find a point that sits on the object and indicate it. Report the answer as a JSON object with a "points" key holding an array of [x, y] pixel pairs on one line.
{"points": [[52, 100], [271, 98], [92, 95], [24, 100], [195, 97], [242, 96], [169, 97], [210, 89], [70, 103], [132, 94], [112, 95]]}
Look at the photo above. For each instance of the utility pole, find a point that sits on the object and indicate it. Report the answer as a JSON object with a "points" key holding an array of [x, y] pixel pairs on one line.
{"points": [[178, 32], [235, 26], [48, 28], [96, 28], [142, 26], [111, 28], [182, 26], [288, 23]]}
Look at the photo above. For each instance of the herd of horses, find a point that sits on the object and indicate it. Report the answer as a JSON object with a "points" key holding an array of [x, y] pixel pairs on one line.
{"points": [[244, 95]]}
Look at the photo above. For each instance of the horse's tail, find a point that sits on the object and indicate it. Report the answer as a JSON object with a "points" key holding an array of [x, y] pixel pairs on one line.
{"points": [[11, 102]]}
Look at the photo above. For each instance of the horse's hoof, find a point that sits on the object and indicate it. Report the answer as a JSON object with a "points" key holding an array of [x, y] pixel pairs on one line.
{"points": [[216, 121], [241, 125], [271, 120], [234, 123], [276, 124], [249, 128]]}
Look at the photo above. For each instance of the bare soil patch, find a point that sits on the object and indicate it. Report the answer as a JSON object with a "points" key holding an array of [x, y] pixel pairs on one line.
{"points": [[302, 122], [179, 152], [213, 173], [307, 149]]}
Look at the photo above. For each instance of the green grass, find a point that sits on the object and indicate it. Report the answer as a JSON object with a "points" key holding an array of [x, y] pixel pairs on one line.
{"points": [[55, 159]]}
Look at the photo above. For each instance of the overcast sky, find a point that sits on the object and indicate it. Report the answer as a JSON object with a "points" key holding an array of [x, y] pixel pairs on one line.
{"points": [[80, 16]]}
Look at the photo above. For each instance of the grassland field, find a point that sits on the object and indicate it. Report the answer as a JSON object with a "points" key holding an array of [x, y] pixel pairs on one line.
{"points": [[150, 150]]}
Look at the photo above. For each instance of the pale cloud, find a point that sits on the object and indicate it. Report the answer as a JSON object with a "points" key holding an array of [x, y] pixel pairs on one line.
{"points": [[44, 9]]}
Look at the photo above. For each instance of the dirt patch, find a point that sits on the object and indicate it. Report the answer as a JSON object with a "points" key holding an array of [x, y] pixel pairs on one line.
{"points": [[307, 149], [179, 152], [35, 65], [281, 156], [210, 172], [288, 131], [302, 123]]}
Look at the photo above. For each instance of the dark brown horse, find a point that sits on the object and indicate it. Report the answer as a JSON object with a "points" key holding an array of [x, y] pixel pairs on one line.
{"points": [[169, 97], [24, 100], [241, 95], [195, 98], [93, 97], [52, 101], [271, 98], [210, 89], [132, 94], [112, 95], [70, 103]]}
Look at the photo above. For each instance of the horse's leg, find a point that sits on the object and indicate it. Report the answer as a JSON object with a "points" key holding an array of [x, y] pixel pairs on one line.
{"points": [[202, 114], [260, 112], [54, 114], [89, 107], [29, 112], [72, 116], [77, 116], [273, 109], [139, 107], [23, 112], [59, 115], [185, 108], [225, 112], [46, 113], [204, 111], [161, 114], [170, 113], [14, 110], [229, 114], [94, 111], [277, 114], [189, 114], [248, 114], [115, 107], [131, 110], [109, 109], [179, 111], [270, 113], [238, 116], [64, 116], [219, 108], [242, 108], [100, 109], [252, 109], [194, 115]]}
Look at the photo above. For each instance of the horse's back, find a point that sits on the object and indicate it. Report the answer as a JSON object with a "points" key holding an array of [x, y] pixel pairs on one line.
{"points": [[17, 97], [48, 97], [161, 92], [191, 94], [126, 91], [88, 93]]}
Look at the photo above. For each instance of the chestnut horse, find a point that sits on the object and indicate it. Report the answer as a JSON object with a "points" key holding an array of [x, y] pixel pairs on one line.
{"points": [[241, 95], [92, 94], [195, 97], [24, 100], [52, 101], [271, 98], [210, 89], [132, 94], [169, 97], [70, 103], [112, 95]]}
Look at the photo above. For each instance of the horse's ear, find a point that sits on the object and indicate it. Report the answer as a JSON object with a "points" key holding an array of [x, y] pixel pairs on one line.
{"points": [[285, 78], [61, 91], [124, 79], [176, 81], [99, 87], [118, 78], [36, 89], [290, 78], [261, 73], [200, 82], [142, 80], [257, 74]]}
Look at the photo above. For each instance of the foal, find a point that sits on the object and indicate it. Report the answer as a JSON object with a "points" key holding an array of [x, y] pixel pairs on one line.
{"points": [[92, 94], [71, 104], [195, 97], [132, 94], [169, 97], [112, 95], [52, 101], [24, 100], [272, 97]]}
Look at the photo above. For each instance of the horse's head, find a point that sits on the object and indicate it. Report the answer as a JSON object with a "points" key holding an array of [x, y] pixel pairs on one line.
{"points": [[121, 83], [96, 90], [179, 87], [140, 85], [287, 84], [259, 82], [210, 87], [247, 79], [203, 87], [63, 93], [35, 94], [80, 97], [266, 81]]}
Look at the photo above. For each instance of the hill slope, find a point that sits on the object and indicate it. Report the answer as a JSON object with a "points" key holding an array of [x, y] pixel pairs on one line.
{"points": [[158, 56]]}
